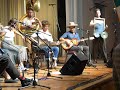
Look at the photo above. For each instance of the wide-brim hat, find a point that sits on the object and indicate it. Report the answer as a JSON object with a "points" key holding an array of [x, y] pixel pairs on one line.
{"points": [[71, 24]]}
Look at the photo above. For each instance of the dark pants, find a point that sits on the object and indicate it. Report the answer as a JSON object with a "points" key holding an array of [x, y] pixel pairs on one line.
{"points": [[81, 48], [7, 65], [98, 49]]}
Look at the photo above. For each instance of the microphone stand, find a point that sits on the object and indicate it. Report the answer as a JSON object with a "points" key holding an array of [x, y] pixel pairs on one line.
{"points": [[34, 62], [58, 26], [89, 63], [50, 50]]}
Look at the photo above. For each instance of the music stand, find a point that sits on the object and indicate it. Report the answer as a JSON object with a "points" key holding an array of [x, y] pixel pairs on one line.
{"points": [[34, 79]]}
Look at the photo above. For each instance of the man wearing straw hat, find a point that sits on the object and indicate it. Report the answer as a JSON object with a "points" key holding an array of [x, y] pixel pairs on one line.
{"points": [[71, 44]]}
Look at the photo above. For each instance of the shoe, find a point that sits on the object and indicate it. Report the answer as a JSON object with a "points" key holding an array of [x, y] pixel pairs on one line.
{"points": [[11, 81], [26, 82], [22, 68]]}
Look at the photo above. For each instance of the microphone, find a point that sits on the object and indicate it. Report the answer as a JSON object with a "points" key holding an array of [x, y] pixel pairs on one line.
{"points": [[22, 23], [52, 4], [78, 28]]}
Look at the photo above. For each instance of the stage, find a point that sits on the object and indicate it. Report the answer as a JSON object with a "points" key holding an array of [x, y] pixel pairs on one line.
{"points": [[99, 78]]}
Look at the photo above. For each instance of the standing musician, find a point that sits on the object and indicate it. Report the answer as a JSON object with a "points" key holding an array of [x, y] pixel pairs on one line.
{"points": [[45, 35], [72, 39], [98, 42]]}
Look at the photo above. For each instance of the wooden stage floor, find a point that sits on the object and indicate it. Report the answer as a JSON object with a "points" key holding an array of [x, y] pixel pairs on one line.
{"points": [[89, 77]]}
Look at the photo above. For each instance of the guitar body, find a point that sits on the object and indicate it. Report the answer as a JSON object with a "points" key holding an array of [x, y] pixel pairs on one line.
{"points": [[67, 44]]}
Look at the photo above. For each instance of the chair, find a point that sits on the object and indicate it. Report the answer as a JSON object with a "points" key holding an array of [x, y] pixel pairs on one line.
{"points": [[38, 54]]}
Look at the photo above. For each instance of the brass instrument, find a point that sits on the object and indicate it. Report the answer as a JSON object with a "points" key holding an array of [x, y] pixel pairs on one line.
{"points": [[104, 35], [35, 4]]}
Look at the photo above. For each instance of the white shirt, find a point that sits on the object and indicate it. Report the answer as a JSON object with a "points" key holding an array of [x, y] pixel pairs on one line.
{"points": [[28, 22], [44, 35], [9, 34]]}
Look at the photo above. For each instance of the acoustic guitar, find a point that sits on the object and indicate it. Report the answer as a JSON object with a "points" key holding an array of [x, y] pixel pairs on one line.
{"points": [[67, 44]]}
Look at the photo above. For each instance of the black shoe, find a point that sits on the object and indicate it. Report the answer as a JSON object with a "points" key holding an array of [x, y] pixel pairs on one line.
{"points": [[26, 82]]}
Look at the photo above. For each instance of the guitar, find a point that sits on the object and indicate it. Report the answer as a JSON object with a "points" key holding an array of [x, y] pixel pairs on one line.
{"points": [[67, 44]]}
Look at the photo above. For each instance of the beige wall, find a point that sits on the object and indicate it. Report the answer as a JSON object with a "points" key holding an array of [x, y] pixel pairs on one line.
{"points": [[49, 13]]}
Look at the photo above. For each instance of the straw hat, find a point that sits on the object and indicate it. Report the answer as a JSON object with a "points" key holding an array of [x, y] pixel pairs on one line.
{"points": [[71, 24]]}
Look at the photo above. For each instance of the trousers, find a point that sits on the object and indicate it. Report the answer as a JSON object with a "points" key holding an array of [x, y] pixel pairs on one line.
{"points": [[7, 65]]}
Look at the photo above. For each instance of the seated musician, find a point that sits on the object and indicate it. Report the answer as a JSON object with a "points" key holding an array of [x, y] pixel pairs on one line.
{"points": [[45, 35], [8, 43], [72, 39], [30, 25]]}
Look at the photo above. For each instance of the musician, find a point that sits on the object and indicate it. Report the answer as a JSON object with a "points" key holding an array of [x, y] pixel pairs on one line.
{"points": [[45, 35], [8, 66], [98, 42], [8, 43], [72, 34], [30, 25], [30, 22]]}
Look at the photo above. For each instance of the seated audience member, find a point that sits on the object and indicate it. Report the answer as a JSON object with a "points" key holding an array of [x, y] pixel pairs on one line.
{"points": [[7, 65]]}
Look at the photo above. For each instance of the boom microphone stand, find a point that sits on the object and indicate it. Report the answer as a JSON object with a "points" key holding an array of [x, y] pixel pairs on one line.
{"points": [[89, 63], [50, 50], [89, 58]]}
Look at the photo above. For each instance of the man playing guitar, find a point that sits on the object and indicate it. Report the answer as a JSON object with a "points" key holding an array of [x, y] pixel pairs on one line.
{"points": [[71, 38]]}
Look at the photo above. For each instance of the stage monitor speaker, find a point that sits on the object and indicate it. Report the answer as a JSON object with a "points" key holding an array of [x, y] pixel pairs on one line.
{"points": [[75, 65]]}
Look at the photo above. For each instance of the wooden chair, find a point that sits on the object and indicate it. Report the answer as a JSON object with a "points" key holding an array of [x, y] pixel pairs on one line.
{"points": [[38, 55]]}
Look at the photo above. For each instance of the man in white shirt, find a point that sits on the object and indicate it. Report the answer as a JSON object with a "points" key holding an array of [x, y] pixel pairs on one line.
{"points": [[45, 35]]}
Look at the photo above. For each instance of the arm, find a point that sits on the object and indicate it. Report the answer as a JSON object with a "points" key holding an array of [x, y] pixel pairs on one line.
{"points": [[63, 37], [39, 22], [92, 23], [17, 32]]}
